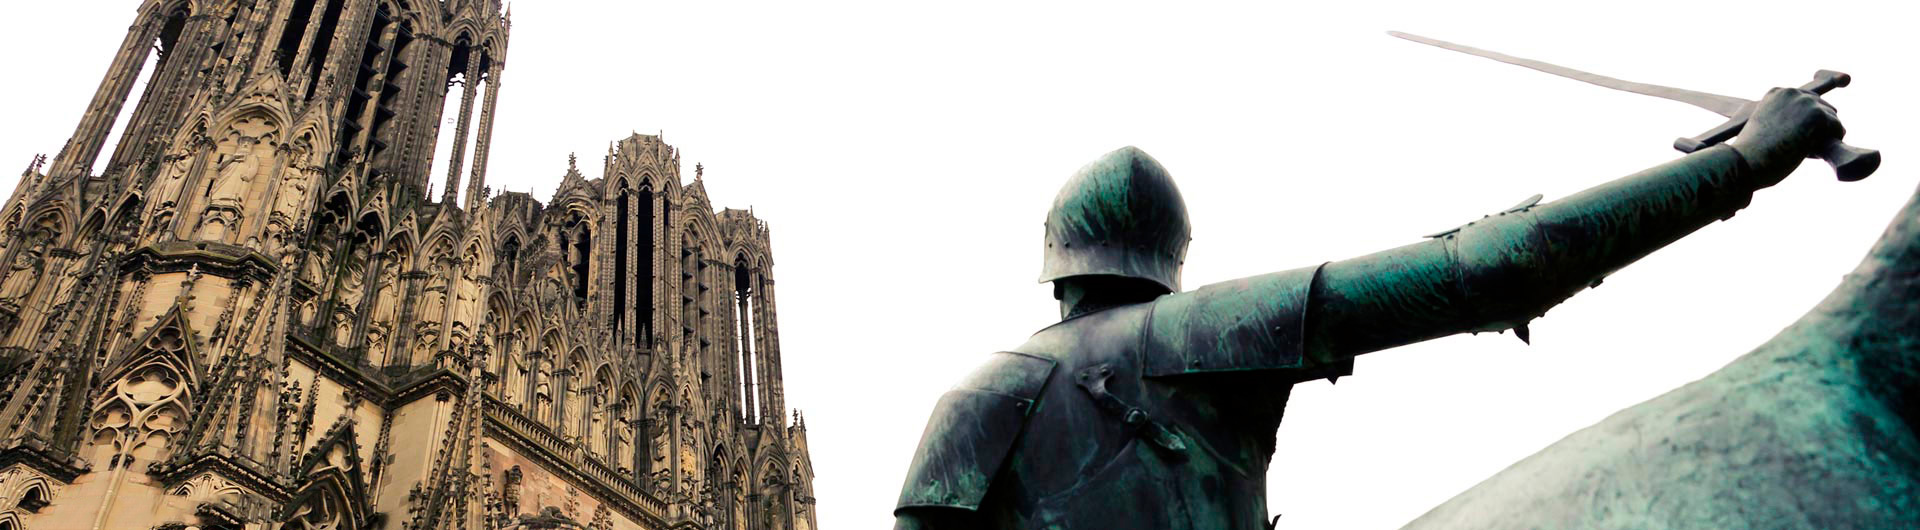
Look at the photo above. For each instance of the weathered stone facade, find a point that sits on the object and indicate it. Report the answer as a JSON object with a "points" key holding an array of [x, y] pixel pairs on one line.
{"points": [[259, 314]]}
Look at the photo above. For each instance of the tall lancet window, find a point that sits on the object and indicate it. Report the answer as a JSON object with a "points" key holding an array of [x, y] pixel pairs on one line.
{"points": [[366, 80], [322, 42], [621, 235], [643, 303], [449, 136], [743, 339], [156, 60], [291, 34], [579, 257], [391, 94], [482, 79]]}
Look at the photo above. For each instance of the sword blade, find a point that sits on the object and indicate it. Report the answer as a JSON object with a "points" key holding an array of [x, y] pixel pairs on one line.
{"points": [[1723, 105]]}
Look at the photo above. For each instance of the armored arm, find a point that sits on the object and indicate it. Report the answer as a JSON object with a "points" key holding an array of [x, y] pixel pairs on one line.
{"points": [[1493, 274], [1503, 271]]}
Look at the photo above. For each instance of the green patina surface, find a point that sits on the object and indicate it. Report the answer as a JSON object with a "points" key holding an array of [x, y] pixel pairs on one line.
{"points": [[1120, 215], [1817, 428], [1813, 430]]}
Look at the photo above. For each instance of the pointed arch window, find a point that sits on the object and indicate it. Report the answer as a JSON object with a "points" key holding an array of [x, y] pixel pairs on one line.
{"points": [[368, 76], [322, 44], [743, 339], [582, 251], [644, 299], [33, 499], [621, 236], [163, 48], [290, 35], [447, 128], [395, 76]]}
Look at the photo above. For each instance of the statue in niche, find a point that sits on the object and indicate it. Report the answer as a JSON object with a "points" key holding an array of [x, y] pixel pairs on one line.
{"points": [[515, 374], [247, 149], [385, 297], [658, 430], [689, 457], [26, 271], [596, 441], [316, 265], [173, 175], [434, 299], [623, 432], [467, 290], [542, 390], [353, 279], [293, 192], [550, 293], [175, 168]]}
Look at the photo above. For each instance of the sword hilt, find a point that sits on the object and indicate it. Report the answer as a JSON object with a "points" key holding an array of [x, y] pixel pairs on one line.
{"points": [[1849, 163]]}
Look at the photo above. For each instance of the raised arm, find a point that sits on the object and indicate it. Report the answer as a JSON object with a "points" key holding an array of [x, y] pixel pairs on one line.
{"points": [[1503, 271], [1497, 273]]}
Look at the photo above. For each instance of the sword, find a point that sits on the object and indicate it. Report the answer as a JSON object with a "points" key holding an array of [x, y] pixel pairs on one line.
{"points": [[1849, 163]]}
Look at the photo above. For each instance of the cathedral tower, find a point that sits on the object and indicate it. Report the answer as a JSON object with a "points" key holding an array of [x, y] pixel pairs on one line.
{"points": [[264, 285]]}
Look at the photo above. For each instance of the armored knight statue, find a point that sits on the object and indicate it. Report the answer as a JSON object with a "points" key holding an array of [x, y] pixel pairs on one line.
{"points": [[1148, 407]]}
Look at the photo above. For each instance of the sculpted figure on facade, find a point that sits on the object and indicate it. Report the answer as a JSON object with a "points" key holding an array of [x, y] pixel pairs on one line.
{"points": [[173, 175], [292, 192], [24, 271], [243, 155]]}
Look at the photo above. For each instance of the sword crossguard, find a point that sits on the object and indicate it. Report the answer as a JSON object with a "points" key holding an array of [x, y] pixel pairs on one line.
{"points": [[1849, 163]]}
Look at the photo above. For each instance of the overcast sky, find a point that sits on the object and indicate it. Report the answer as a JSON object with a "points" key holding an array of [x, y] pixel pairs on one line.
{"points": [[904, 154]]}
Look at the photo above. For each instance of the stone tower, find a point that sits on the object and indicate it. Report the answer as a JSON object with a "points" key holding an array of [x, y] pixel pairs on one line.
{"points": [[242, 302]]}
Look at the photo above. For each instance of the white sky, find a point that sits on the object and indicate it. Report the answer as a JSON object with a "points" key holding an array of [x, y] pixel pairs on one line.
{"points": [[905, 153]]}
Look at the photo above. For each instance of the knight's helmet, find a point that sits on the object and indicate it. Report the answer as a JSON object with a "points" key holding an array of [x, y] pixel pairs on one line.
{"points": [[1121, 216]]}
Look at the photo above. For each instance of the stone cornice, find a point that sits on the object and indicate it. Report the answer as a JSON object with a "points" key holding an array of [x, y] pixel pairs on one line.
{"points": [[34, 453], [218, 259], [435, 382], [241, 470], [529, 439], [351, 375], [390, 392]]}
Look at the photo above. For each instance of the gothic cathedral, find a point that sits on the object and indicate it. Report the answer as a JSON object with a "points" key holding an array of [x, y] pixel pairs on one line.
{"points": [[241, 302]]}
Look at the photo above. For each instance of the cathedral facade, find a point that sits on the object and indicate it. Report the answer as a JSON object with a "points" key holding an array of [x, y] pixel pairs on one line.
{"points": [[267, 291]]}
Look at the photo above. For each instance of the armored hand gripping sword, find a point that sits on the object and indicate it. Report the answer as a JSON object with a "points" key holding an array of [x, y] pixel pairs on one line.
{"points": [[1849, 163]]}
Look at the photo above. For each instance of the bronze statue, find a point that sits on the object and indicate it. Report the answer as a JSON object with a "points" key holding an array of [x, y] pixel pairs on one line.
{"points": [[1148, 407]]}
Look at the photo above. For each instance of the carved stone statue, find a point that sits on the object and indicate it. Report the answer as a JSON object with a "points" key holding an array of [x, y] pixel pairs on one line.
{"points": [[658, 431], [25, 272], [173, 176], [387, 292], [244, 154], [292, 192], [1148, 407]]}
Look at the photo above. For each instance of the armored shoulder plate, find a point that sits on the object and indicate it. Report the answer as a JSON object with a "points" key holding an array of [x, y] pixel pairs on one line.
{"points": [[972, 430], [1254, 323]]}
